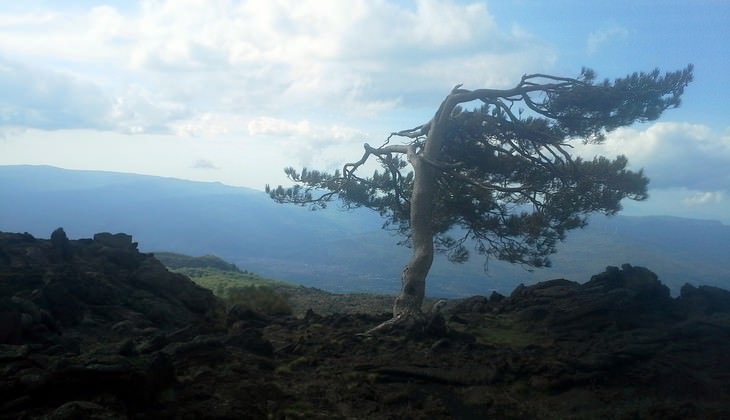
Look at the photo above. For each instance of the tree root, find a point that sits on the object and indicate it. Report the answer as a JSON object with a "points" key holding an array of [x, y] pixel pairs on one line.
{"points": [[413, 324]]}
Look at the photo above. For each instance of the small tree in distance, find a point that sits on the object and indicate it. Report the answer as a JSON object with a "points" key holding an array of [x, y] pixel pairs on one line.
{"points": [[498, 177]]}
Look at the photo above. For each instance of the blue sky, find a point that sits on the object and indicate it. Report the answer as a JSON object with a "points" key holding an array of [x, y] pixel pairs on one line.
{"points": [[233, 91]]}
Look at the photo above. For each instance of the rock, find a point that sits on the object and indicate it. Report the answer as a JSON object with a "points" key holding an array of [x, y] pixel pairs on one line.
{"points": [[139, 342], [643, 284], [703, 300], [11, 329], [625, 298], [119, 240], [84, 410], [479, 304], [61, 247], [250, 339], [237, 313]]}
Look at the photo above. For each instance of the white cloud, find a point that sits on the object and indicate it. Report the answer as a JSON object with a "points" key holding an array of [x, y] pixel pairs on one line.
{"points": [[207, 125], [309, 145], [682, 202], [704, 198], [672, 154], [34, 97], [278, 127], [607, 34], [165, 65], [304, 133]]}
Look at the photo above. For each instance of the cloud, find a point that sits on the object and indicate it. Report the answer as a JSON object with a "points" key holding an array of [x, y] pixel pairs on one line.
{"points": [[302, 131], [704, 198], [207, 124], [597, 39], [682, 202], [40, 98], [203, 164], [673, 155], [307, 144], [165, 65]]}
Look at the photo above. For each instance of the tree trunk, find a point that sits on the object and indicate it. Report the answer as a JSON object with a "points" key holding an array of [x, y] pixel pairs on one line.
{"points": [[414, 275], [413, 279]]}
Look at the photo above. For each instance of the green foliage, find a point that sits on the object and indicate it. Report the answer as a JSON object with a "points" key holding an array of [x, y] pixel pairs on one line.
{"points": [[637, 97], [263, 299], [175, 261], [221, 281], [230, 284]]}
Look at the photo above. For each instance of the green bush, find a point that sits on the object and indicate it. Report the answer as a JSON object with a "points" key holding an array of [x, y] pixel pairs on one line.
{"points": [[261, 299]]}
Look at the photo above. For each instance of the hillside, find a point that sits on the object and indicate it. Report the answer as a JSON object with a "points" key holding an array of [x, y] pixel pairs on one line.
{"points": [[333, 250], [92, 328]]}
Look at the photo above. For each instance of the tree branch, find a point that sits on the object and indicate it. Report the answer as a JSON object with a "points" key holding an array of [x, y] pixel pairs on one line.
{"points": [[349, 169]]}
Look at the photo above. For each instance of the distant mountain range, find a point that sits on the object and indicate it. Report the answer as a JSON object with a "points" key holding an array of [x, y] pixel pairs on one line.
{"points": [[332, 249]]}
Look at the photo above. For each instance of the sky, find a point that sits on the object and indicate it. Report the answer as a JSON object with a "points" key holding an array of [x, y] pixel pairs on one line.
{"points": [[234, 91]]}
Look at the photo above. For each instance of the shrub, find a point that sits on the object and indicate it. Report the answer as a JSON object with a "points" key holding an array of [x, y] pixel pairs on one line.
{"points": [[262, 299]]}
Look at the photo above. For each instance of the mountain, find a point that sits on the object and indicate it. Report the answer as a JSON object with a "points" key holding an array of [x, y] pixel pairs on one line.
{"points": [[332, 249]]}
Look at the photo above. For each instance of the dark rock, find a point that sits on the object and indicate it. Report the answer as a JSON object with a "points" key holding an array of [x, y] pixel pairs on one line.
{"points": [[11, 328], [311, 316], [65, 308], [625, 298], [61, 246], [119, 240], [153, 344], [496, 297], [73, 410], [250, 339], [441, 345], [643, 284], [703, 300], [139, 342], [238, 313], [479, 304]]}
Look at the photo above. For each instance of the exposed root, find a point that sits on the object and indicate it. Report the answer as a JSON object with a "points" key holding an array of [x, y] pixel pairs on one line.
{"points": [[412, 324]]}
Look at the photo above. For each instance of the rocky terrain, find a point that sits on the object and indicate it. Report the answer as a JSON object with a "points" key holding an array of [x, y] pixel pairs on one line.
{"points": [[92, 328]]}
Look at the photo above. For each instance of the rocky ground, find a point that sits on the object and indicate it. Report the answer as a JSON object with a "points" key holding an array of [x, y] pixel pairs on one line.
{"points": [[94, 329]]}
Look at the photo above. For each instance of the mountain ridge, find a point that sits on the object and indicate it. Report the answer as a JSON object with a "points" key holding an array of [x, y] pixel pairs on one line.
{"points": [[331, 249]]}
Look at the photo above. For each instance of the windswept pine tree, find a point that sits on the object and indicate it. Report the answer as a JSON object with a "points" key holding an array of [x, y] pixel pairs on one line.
{"points": [[498, 178]]}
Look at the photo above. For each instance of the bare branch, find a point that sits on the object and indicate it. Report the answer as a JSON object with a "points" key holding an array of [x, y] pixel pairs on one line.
{"points": [[349, 168], [412, 133]]}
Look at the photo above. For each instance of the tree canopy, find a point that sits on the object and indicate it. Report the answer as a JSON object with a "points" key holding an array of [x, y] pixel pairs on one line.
{"points": [[498, 178]]}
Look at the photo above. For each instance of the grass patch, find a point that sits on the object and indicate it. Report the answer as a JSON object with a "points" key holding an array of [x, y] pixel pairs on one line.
{"points": [[220, 281], [233, 286]]}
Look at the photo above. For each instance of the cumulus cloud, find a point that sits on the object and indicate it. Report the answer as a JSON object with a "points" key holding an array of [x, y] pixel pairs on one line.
{"points": [[164, 65], [673, 155], [40, 98]]}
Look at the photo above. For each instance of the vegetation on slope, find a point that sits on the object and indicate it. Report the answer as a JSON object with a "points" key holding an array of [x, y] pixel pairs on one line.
{"points": [[229, 283], [265, 295]]}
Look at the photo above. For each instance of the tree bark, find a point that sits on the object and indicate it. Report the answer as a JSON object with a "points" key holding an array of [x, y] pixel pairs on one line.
{"points": [[413, 279]]}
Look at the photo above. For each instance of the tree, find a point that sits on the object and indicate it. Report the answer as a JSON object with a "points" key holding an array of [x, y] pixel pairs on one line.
{"points": [[499, 176]]}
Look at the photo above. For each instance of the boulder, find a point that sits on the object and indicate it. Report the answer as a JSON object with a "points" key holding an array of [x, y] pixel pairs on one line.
{"points": [[703, 300], [625, 298], [118, 240]]}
